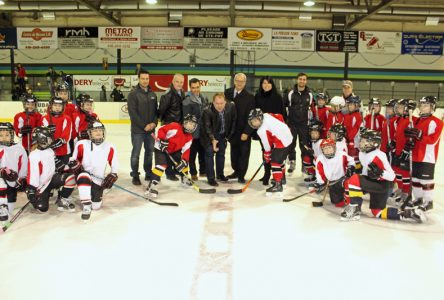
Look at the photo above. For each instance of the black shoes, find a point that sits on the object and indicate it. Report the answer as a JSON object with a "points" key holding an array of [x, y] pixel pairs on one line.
{"points": [[212, 182], [136, 180], [232, 176], [241, 180], [172, 177], [222, 178]]}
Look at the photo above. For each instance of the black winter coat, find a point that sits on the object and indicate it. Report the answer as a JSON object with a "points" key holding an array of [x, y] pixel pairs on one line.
{"points": [[298, 104], [270, 102], [142, 109], [211, 123], [170, 107], [244, 103]]}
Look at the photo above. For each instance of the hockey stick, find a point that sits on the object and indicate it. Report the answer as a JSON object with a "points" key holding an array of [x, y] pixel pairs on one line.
{"points": [[321, 203], [299, 196], [372, 120], [195, 186], [28, 135], [9, 224], [411, 155], [238, 191], [140, 196]]}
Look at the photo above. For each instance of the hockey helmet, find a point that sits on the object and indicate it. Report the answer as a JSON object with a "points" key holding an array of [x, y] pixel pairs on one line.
{"points": [[62, 87], [431, 100], [189, 123], [337, 101], [54, 101], [255, 118], [323, 96], [328, 148], [96, 132], [6, 134], [31, 99], [406, 105], [81, 100], [314, 130], [391, 103], [339, 132], [370, 140], [42, 136]]}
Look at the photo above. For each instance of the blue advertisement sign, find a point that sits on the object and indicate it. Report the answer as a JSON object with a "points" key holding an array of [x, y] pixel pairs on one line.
{"points": [[8, 38], [422, 43]]}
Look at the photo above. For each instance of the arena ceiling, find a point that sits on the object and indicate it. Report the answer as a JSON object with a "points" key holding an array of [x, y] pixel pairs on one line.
{"points": [[355, 11]]}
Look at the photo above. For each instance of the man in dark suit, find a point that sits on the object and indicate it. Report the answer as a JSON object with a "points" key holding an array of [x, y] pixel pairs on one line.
{"points": [[241, 140]]}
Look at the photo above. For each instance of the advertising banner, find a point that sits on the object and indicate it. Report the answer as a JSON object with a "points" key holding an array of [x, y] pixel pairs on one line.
{"points": [[164, 38], [337, 41], [8, 38], [422, 43], [78, 37], [249, 38], [87, 83], [292, 40], [119, 37], [37, 37], [380, 42], [205, 37]]}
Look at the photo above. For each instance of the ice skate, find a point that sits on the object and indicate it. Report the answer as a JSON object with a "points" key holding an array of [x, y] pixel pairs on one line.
{"points": [[65, 204], [275, 190], [351, 212]]}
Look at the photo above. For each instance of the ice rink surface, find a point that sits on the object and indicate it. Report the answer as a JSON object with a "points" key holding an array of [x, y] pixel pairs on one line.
{"points": [[219, 246]]}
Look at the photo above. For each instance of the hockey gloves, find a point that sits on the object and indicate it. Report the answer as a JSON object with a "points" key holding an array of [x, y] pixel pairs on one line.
{"points": [[392, 146], [163, 145], [52, 128], [84, 135], [25, 130], [109, 180], [409, 146], [75, 167], [31, 193], [21, 184], [309, 151], [318, 187], [59, 165], [373, 171], [90, 118], [267, 156], [181, 166], [413, 133], [8, 174], [57, 143], [350, 171]]}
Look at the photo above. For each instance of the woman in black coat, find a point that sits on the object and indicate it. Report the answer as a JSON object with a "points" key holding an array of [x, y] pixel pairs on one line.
{"points": [[269, 101]]}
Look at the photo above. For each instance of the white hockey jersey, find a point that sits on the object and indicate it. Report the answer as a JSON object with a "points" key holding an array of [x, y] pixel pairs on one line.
{"points": [[316, 146], [41, 168], [334, 168], [342, 146], [15, 158], [274, 133], [95, 158], [380, 159]]}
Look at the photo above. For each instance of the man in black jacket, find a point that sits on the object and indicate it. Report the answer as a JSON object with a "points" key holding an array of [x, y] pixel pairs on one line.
{"points": [[142, 109], [218, 126], [193, 104], [298, 101], [241, 140], [170, 110]]}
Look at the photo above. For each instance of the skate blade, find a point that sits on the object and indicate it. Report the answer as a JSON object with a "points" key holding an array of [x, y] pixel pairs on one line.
{"points": [[355, 218], [274, 195], [66, 210]]}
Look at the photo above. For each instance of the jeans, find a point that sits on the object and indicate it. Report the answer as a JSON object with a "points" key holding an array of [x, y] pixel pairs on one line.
{"points": [[220, 158], [137, 139], [197, 149]]}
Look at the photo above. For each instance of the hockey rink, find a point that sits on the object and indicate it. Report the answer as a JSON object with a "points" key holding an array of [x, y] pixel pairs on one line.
{"points": [[219, 246]]}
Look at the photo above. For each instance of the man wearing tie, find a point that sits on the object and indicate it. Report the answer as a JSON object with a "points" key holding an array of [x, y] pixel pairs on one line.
{"points": [[170, 109], [241, 140]]}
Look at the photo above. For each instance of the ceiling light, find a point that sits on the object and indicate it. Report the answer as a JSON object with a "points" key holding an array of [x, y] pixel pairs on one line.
{"points": [[309, 3], [432, 21], [151, 1], [2, 2], [304, 17], [48, 16]]}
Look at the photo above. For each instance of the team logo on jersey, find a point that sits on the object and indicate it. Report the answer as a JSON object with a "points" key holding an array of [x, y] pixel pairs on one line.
{"points": [[249, 34], [37, 34]]}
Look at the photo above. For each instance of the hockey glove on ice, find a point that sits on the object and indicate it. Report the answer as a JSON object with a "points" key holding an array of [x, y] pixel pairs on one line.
{"points": [[109, 180]]}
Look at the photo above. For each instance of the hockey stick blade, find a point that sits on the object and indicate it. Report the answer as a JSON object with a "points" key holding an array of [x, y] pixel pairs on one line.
{"points": [[234, 191], [297, 197], [317, 203], [207, 191], [140, 196]]}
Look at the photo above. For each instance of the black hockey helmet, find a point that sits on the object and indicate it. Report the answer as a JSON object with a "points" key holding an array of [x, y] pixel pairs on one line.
{"points": [[391, 103], [61, 87], [432, 100], [255, 114], [189, 123], [29, 98], [339, 130], [94, 126], [370, 140], [7, 127], [321, 96], [374, 101], [56, 100], [82, 99], [354, 99], [315, 126], [42, 137], [409, 104]]}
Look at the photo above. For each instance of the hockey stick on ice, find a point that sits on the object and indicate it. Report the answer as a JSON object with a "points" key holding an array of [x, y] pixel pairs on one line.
{"points": [[238, 191], [321, 203], [195, 186], [299, 196], [9, 224], [140, 196]]}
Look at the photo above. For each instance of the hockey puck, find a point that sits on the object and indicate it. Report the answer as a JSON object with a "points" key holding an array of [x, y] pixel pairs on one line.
{"points": [[317, 204]]}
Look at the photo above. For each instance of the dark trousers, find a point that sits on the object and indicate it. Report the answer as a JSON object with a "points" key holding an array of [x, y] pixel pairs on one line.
{"points": [[220, 158], [197, 148], [299, 131], [240, 155], [137, 139]]}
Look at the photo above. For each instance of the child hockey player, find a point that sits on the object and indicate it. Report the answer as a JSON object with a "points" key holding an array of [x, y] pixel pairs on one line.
{"points": [[13, 170], [89, 161], [26, 120], [70, 110], [276, 138], [313, 150], [352, 123], [173, 140], [401, 160], [320, 111], [60, 126], [374, 120], [337, 133], [388, 128], [85, 115], [426, 135], [336, 113], [333, 167], [374, 180], [44, 174]]}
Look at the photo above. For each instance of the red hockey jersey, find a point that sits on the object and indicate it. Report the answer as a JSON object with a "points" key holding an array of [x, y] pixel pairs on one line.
{"points": [[33, 119], [378, 122], [426, 149], [352, 123], [63, 126], [401, 124], [177, 138], [332, 119]]}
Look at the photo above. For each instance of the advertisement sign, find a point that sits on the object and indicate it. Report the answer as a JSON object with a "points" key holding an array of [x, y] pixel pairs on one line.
{"points": [[292, 40], [37, 37], [380, 42], [78, 37], [8, 38], [119, 37], [165, 38], [337, 41], [213, 83], [205, 37], [422, 43], [160, 83], [88, 83], [249, 38]]}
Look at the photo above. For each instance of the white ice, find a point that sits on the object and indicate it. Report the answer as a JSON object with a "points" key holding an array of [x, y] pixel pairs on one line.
{"points": [[219, 246]]}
